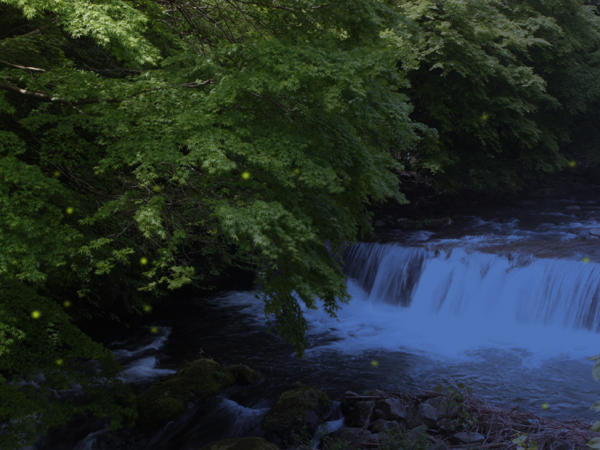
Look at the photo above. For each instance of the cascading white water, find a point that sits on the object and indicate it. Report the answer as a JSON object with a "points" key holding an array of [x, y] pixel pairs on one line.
{"points": [[488, 288], [450, 301]]}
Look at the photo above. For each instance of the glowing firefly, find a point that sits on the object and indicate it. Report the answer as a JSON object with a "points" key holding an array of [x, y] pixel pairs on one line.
{"points": [[143, 260], [375, 363], [36, 314], [246, 175]]}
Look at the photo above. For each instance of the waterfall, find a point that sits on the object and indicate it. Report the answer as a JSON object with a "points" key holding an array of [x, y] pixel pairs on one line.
{"points": [[512, 288]]}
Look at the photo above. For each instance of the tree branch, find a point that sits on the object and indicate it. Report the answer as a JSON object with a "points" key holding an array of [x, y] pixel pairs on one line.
{"points": [[15, 66]]}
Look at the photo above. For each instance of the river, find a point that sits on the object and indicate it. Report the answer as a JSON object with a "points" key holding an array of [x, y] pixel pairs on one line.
{"points": [[504, 301]]}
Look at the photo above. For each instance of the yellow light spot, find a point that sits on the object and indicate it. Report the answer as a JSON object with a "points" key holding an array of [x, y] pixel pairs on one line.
{"points": [[157, 189], [153, 330], [374, 363], [56, 173], [66, 303], [143, 261], [36, 314], [296, 170], [59, 362], [586, 260], [246, 175], [147, 308], [484, 117], [572, 163], [545, 406], [69, 210]]}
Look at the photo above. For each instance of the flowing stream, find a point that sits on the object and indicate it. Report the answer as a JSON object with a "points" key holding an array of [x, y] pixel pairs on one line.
{"points": [[506, 303]]}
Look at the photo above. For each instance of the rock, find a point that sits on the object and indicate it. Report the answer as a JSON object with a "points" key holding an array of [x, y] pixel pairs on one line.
{"points": [[249, 443], [439, 445], [595, 232], [428, 414], [194, 382], [380, 223], [412, 419], [381, 425], [418, 433], [468, 437], [573, 208], [297, 413], [243, 375], [440, 403], [358, 414], [390, 409], [347, 401], [349, 434]]}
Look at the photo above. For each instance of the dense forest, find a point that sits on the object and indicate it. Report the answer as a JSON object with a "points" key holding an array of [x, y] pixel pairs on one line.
{"points": [[148, 145]]}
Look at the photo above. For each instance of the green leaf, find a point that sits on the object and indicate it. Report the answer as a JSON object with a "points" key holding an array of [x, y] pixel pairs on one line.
{"points": [[594, 443], [596, 406]]}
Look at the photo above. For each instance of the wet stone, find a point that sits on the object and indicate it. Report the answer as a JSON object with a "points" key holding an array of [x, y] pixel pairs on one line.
{"points": [[428, 414], [390, 409], [468, 437]]}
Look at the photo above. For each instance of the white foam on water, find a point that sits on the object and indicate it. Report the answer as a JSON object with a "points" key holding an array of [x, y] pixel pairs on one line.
{"points": [[144, 368]]}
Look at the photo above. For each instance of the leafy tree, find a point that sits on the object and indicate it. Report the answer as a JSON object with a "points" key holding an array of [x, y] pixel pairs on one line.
{"points": [[145, 146], [501, 82]]}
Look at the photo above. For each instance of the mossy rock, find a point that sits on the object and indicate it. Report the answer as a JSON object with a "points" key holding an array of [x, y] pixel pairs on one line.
{"points": [[242, 374], [194, 382], [250, 443], [296, 415]]}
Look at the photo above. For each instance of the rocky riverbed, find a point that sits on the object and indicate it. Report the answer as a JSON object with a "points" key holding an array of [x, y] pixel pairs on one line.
{"points": [[306, 418]]}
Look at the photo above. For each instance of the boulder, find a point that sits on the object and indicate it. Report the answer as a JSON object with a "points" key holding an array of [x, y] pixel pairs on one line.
{"points": [[359, 413], [390, 409], [193, 383], [348, 401], [249, 443], [419, 433], [412, 419], [380, 223], [595, 232], [428, 414], [440, 403], [468, 437], [381, 425], [348, 434], [297, 414], [439, 445]]}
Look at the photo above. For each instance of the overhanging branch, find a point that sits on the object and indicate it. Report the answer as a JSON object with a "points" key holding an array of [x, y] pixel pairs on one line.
{"points": [[16, 66]]}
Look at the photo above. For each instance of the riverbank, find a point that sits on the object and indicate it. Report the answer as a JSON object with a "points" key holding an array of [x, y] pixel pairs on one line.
{"points": [[447, 418]]}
